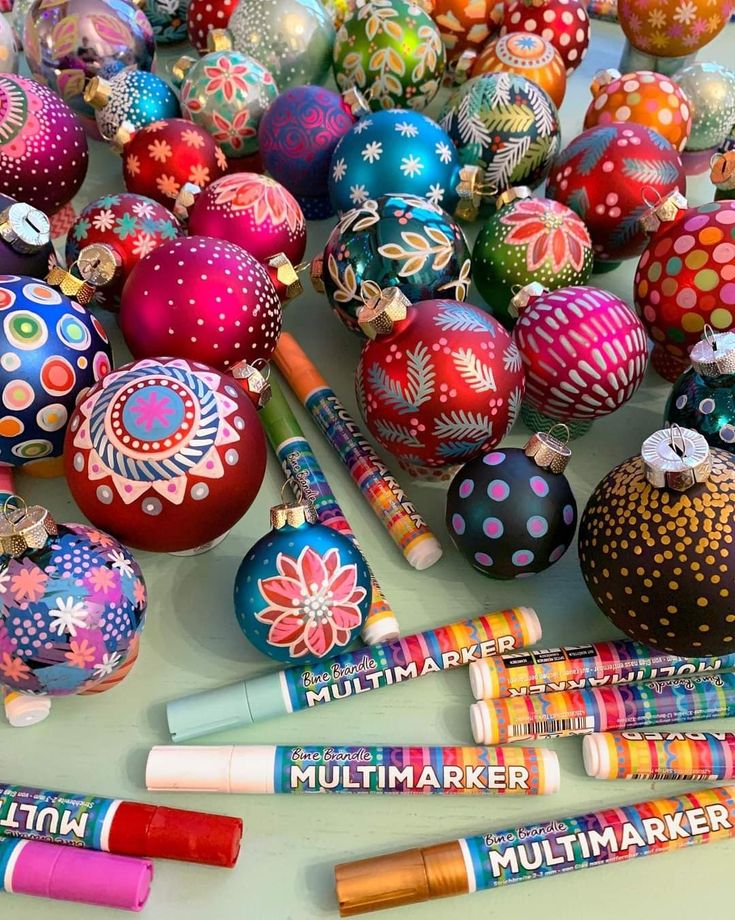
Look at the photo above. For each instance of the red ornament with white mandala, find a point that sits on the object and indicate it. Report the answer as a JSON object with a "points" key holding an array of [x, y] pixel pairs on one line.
{"points": [[563, 23], [439, 382], [606, 175], [205, 15], [253, 211], [160, 158]]}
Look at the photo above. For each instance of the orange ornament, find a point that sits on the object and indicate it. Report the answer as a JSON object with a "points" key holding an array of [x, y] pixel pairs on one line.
{"points": [[466, 24], [644, 97], [529, 55], [672, 28]]}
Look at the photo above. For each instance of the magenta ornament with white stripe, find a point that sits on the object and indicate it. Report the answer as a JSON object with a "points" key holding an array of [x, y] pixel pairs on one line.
{"points": [[584, 352]]}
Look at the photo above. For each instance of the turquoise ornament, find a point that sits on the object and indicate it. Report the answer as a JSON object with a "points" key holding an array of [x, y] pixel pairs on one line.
{"points": [[133, 96], [303, 590]]}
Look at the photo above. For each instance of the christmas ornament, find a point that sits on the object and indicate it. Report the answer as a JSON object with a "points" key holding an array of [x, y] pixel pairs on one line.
{"points": [[19, 10], [226, 92], [645, 97], [8, 48], [654, 545], [583, 350], [398, 152], [529, 239], [722, 175], [52, 351], [603, 9], [529, 55], [160, 158], [303, 590], [203, 17], [465, 26], [703, 398], [71, 611], [395, 241], [165, 453], [506, 125], [672, 28], [69, 42], [540, 422], [297, 136], [710, 89], [292, 38], [201, 299], [135, 97], [25, 239], [168, 20], [685, 278], [439, 382], [392, 51], [43, 148], [132, 225], [563, 23], [605, 176], [511, 512]]}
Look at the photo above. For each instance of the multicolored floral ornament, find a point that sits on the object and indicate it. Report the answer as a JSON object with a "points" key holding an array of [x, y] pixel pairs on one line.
{"points": [[672, 28]]}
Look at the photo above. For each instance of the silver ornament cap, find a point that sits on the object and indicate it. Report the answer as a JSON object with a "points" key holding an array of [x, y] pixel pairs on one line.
{"points": [[714, 355], [663, 211], [523, 297], [25, 228], [23, 528], [516, 193], [676, 458], [602, 79]]}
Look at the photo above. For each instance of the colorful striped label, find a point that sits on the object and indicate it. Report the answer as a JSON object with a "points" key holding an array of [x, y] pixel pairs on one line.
{"points": [[55, 817], [671, 755]]}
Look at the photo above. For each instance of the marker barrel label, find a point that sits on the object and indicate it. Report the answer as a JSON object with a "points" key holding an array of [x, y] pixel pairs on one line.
{"points": [[670, 755], [54, 817]]}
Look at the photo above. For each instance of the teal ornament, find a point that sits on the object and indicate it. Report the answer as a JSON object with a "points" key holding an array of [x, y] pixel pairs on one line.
{"points": [[537, 421], [396, 151], [168, 20], [506, 125], [134, 96], [393, 241], [303, 590], [703, 398], [710, 89]]}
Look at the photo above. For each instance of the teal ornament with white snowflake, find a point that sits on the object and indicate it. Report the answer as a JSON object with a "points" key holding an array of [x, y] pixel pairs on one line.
{"points": [[392, 50], [438, 381], [506, 125], [393, 241], [395, 152]]}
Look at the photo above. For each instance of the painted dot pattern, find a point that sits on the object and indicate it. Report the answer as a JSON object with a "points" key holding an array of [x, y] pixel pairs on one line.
{"points": [[205, 15], [563, 23], [705, 404], [138, 98], [530, 55], [710, 89]]}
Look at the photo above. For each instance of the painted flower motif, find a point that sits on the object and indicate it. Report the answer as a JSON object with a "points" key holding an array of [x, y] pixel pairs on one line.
{"points": [[13, 668], [313, 603], [139, 592], [102, 579], [686, 13], [81, 653], [109, 201], [100, 537], [81, 229], [127, 225], [105, 220], [362, 125], [233, 132], [226, 77], [547, 231], [262, 196], [28, 582], [167, 185], [436, 193], [110, 661], [220, 158], [358, 194], [160, 151], [143, 245], [192, 138], [339, 169], [372, 151], [143, 209], [132, 164], [69, 616], [406, 129], [120, 561], [411, 166], [444, 152]]}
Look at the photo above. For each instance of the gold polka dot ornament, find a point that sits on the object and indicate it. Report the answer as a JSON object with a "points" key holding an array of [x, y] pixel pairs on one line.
{"points": [[656, 545]]}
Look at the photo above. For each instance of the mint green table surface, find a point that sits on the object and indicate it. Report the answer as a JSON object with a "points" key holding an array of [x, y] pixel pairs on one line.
{"points": [[192, 642]]}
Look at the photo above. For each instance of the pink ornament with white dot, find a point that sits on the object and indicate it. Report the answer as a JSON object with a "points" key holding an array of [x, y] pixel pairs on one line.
{"points": [[563, 23], [203, 299]]}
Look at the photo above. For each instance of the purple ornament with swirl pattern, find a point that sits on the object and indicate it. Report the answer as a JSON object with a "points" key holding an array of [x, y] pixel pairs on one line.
{"points": [[297, 136]]}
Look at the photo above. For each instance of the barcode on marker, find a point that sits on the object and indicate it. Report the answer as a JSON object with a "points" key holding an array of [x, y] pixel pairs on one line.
{"points": [[542, 727], [694, 777]]}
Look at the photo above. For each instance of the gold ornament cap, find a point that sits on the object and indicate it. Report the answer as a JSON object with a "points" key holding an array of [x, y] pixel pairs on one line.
{"points": [[180, 68], [464, 65], [470, 192], [97, 92], [722, 171], [284, 277], [23, 528], [185, 200], [676, 458], [124, 134], [381, 309], [714, 354], [220, 40], [316, 273], [292, 514], [25, 228], [517, 193], [549, 452], [524, 296], [662, 211], [254, 380], [602, 79], [356, 102], [98, 263]]}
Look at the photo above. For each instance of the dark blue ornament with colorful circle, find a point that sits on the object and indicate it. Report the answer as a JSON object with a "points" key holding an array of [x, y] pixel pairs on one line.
{"points": [[303, 591], [511, 513], [51, 351]]}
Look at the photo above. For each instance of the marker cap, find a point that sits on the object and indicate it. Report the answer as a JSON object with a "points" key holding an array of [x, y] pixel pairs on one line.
{"points": [[596, 756], [484, 679], [226, 768], [480, 722]]}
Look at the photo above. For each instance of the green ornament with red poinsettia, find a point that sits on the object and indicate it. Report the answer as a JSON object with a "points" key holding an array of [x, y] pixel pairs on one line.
{"points": [[529, 239]]}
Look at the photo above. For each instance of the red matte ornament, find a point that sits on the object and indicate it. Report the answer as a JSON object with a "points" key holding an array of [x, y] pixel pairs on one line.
{"points": [[205, 15]]}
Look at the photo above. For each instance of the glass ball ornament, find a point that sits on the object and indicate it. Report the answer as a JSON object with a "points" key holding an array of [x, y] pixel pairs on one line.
{"points": [[529, 55], [563, 23], [505, 125], [68, 43], [511, 512], [583, 350], [168, 20], [132, 225], [710, 89], [393, 52], [25, 239], [226, 92], [465, 26], [670, 28], [654, 547], [606, 175], [303, 590], [685, 279], [133, 97], [395, 241], [203, 17], [166, 454], [8, 47], [202, 299], [438, 382], [293, 39], [529, 239], [722, 175], [43, 147]]}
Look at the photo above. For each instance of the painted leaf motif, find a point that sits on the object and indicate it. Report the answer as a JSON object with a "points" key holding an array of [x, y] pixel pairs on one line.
{"points": [[389, 391], [412, 265], [393, 29], [351, 60], [392, 85], [514, 119], [416, 240], [627, 228], [395, 62], [593, 147], [456, 449], [369, 290], [441, 259], [399, 434], [544, 114], [391, 251], [112, 30], [503, 165], [377, 59], [579, 202], [500, 92], [650, 172], [462, 319], [478, 375], [71, 83], [345, 288], [438, 236], [421, 375], [464, 426], [65, 37]]}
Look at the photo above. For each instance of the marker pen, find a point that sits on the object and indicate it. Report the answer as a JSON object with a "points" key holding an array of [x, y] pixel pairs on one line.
{"points": [[535, 851], [262, 769], [577, 666], [578, 712], [116, 826], [66, 874], [660, 755], [350, 673]]}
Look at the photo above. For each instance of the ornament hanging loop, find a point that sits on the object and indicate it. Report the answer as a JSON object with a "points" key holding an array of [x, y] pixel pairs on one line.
{"points": [[709, 336], [674, 432], [648, 202], [294, 513], [23, 528], [565, 430]]}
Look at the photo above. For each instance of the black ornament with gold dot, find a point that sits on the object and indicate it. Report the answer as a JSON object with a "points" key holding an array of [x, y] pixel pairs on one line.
{"points": [[656, 545]]}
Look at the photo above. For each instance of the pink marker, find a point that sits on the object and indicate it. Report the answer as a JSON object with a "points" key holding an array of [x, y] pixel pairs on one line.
{"points": [[67, 874]]}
